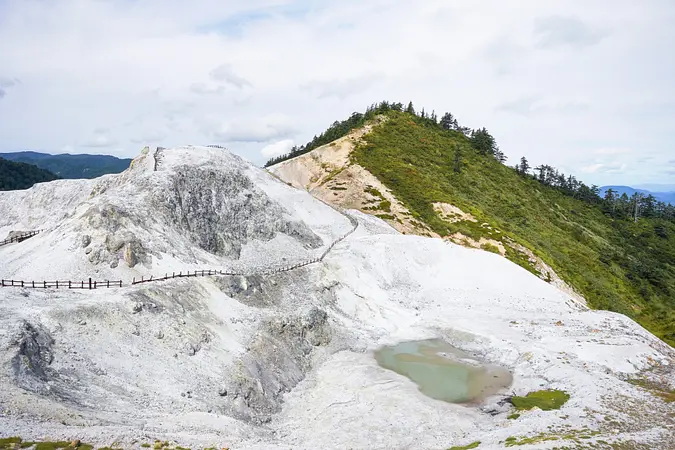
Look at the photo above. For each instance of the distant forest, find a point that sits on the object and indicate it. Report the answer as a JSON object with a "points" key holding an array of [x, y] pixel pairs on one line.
{"points": [[71, 166], [16, 175]]}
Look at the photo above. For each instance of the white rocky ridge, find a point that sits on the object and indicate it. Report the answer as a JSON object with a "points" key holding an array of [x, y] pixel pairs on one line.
{"points": [[285, 360]]}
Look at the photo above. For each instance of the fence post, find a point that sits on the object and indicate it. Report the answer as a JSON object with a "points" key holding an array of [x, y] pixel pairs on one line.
{"points": [[57, 284], [89, 283], [45, 285], [133, 281], [108, 281], [68, 284]]}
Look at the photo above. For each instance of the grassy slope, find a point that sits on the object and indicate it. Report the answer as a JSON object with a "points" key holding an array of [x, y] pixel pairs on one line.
{"points": [[416, 162]]}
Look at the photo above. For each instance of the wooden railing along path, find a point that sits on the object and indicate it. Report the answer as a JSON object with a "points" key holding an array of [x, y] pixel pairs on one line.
{"points": [[91, 284], [19, 237]]}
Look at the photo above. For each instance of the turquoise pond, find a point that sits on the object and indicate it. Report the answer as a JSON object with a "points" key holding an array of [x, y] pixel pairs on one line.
{"points": [[444, 372]]}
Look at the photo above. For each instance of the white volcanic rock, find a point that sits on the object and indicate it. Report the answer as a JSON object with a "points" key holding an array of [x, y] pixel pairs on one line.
{"points": [[285, 360]]}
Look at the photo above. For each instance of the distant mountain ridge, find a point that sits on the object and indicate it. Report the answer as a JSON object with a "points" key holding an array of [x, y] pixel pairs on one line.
{"points": [[668, 197], [71, 166]]}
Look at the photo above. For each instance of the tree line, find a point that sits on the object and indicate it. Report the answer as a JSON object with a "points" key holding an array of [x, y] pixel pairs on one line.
{"points": [[480, 139], [617, 206]]}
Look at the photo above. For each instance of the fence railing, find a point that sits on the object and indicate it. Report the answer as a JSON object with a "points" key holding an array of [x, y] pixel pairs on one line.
{"points": [[67, 284], [195, 273], [19, 237], [92, 284]]}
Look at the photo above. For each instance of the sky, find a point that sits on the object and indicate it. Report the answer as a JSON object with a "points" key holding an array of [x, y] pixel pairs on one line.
{"points": [[586, 86]]}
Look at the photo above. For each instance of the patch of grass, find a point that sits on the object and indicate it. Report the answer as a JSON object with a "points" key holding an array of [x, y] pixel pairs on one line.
{"points": [[333, 174], [385, 216], [52, 445], [576, 436], [146, 445], [466, 447], [659, 390], [513, 416], [385, 205], [488, 247], [337, 188], [17, 442], [545, 400], [374, 192], [521, 259], [9, 442]]}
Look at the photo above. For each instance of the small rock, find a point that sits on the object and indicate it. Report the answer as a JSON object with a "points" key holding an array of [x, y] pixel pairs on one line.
{"points": [[114, 263], [222, 392], [138, 307], [136, 332], [81, 322], [86, 240], [87, 251], [159, 335], [182, 394]]}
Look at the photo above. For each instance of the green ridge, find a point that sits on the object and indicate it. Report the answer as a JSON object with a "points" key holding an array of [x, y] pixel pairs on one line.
{"points": [[614, 262]]}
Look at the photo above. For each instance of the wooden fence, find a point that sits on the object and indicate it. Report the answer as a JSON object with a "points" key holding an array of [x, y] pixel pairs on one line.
{"points": [[196, 273], [89, 284], [19, 237]]}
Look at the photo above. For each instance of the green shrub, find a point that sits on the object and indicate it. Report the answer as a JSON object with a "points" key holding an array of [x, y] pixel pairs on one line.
{"points": [[545, 400]]}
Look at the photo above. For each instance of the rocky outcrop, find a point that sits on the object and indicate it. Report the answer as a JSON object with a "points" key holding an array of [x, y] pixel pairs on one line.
{"points": [[222, 211]]}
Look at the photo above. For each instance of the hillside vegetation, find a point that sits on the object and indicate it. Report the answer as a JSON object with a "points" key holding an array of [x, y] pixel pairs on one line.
{"points": [[72, 166], [15, 175], [594, 244]]}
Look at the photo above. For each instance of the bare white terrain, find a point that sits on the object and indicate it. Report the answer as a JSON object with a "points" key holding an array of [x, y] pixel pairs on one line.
{"points": [[285, 360]]}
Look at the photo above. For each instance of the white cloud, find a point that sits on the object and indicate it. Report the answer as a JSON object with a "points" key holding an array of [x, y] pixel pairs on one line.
{"points": [[225, 73], [610, 151], [277, 148], [100, 141], [255, 129], [150, 137], [552, 81], [343, 88], [608, 168], [206, 89]]}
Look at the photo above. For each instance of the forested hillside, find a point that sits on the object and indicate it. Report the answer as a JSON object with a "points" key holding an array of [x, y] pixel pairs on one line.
{"points": [[71, 166], [14, 175], [617, 251]]}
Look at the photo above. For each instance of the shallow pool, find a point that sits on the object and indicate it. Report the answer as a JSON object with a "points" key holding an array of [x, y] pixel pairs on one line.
{"points": [[444, 372]]}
